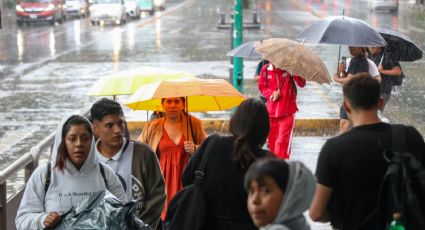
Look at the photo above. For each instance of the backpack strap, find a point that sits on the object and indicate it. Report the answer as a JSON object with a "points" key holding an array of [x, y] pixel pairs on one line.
{"points": [[398, 133], [49, 173], [200, 173], [48, 178], [102, 171]]}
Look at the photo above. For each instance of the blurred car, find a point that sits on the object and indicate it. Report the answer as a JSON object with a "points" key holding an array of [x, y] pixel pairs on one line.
{"points": [[40, 10], [159, 4], [77, 8], [108, 11], [146, 6], [391, 5], [133, 9]]}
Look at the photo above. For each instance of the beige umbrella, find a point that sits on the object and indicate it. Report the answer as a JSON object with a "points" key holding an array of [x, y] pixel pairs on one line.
{"points": [[295, 58]]}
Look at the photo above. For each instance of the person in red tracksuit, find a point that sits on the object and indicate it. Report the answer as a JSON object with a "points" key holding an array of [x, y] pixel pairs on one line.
{"points": [[279, 87]]}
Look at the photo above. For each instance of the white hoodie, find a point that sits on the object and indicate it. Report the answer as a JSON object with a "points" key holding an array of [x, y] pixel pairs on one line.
{"points": [[297, 199], [66, 189]]}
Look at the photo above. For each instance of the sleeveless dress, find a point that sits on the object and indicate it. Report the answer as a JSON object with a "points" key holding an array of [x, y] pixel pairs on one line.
{"points": [[172, 160]]}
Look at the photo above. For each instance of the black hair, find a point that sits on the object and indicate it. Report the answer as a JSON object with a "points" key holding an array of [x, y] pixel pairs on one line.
{"points": [[271, 167], [250, 125], [358, 63], [362, 91], [182, 98], [104, 107], [62, 151]]}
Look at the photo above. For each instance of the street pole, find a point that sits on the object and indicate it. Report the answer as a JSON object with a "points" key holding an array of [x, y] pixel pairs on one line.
{"points": [[237, 40]]}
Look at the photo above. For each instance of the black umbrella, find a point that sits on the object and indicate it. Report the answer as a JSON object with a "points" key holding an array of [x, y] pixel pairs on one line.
{"points": [[244, 50], [400, 46], [342, 30]]}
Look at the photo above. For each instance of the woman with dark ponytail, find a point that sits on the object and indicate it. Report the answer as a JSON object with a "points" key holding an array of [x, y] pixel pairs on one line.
{"points": [[228, 159]]}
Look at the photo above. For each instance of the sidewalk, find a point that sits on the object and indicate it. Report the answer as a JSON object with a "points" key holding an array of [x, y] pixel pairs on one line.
{"points": [[306, 150]]}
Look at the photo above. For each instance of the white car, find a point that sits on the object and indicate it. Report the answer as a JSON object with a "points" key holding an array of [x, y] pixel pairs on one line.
{"points": [[78, 8], [133, 9], [391, 5], [108, 12], [159, 4]]}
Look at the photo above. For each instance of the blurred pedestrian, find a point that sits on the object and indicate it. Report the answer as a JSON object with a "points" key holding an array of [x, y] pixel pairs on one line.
{"points": [[358, 63], [174, 138], [388, 67], [351, 166], [279, 193], [257, 76], [259, 67], [280, 89], [134, 163], [228, 160], [73, 174]]}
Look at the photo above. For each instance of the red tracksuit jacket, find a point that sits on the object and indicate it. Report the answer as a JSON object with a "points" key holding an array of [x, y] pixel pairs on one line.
{"points": [[269, 81]]}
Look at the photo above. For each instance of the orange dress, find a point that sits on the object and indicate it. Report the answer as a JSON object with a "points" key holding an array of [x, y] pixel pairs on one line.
{"points": [[172, 159]]}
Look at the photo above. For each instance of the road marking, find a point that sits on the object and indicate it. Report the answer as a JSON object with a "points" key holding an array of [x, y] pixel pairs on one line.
{"points": [[164, 13]]}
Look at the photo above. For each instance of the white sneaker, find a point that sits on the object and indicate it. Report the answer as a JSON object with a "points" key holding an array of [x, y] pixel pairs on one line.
{"points": [[382, 118]]}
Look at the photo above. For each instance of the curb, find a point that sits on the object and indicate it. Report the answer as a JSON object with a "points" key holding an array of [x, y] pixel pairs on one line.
{"points": [[303, 126]]}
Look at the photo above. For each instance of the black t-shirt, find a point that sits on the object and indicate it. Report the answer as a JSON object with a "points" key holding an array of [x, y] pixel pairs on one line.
{"points": [[388, 63], [352, 164]]}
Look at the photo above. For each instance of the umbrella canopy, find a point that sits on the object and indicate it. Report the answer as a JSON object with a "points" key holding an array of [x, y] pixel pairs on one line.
{"points": [[202, 95], [245, 50], [342, 30], [401, 46], [127, 82], [294, 57]]}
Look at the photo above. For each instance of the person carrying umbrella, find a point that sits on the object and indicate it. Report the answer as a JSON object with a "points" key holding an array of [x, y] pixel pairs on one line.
{"points": [[358, 63], [174, 138], [279, 88], [388, 67]]}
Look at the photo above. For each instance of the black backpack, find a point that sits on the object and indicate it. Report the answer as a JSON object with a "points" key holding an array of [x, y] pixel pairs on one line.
{"points": [[188, 209], [403, 186]]}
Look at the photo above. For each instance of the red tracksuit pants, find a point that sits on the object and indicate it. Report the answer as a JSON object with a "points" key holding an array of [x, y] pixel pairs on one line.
{"points": [[280, 136]]}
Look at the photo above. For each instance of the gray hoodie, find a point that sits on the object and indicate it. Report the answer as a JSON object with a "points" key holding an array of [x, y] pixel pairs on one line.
{"points": [[297, 199], [66, 188]]}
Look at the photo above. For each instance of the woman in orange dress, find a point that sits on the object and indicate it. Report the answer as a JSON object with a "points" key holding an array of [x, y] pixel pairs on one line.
{"points": [[174, 138]]}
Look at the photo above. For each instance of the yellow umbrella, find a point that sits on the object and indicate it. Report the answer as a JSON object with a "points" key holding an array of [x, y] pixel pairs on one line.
{"points": [[127, 82], [202, 95]]}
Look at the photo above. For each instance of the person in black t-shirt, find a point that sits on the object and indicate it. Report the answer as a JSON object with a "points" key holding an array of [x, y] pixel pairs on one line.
{"points": [[388, 67], [350, 166]]}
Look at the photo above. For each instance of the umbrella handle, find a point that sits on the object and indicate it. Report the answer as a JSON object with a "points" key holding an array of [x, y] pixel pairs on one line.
{"points": [[339, 56]]}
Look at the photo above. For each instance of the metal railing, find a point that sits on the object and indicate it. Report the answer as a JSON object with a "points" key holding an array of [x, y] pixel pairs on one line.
{"points": [[28, 161]]}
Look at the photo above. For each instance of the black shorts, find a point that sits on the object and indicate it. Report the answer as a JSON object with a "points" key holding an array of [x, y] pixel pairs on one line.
{"points": [[342, 113]]}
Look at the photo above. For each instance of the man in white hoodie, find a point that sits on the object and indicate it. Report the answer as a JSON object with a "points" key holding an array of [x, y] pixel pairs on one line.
{"points": [[135, 163]]}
